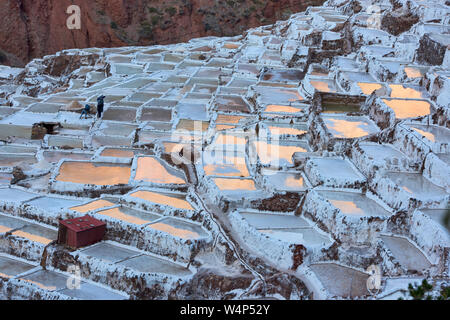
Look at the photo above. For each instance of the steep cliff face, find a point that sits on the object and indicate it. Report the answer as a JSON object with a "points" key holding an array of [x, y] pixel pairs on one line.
{"points": [[34, 28]]}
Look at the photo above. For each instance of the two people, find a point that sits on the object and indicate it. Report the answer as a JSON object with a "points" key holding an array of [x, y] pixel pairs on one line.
{"points": [[100, 105]]}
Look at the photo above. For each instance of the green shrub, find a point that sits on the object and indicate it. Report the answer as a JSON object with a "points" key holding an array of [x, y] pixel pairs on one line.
{"points": [[113, 25], [171, 11]]}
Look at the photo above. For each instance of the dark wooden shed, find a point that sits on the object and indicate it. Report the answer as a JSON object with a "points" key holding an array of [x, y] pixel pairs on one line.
{"points": [[80, 232]]}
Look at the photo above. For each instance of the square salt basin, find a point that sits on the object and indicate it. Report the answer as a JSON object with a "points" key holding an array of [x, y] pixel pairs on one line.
{"points": [[93, 205], [151, 169], [323, 85], [109, 252], [15, 195], [434, 134], [10, 267], [403, 91], [306, 236], [173, 200], [405, 108], [55, 156], [368, 88], [94, 173], [5, 178], [274, 154], [350, 127], [179, 228], [282, 75], [120, 114], [285, 131], [235, 184], [89, 291], [354, 204], [11, 159], [37, 233], [273, 108], [192, 125], [8, 224], [332, 172], [149, 264], [53, 203], [274, 221], [47, 280], [278, 96], [117, 129], [218, 164], [156, 114], [231, 104], [194, 111], [438, 215], [129, 215], [340, 108], [285, 181], [416, 185]]}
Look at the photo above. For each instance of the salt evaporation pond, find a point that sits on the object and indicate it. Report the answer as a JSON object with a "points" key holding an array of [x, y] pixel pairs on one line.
{"points": [[171, 200], [94, 173], [354, 204], [404, 108], [151, 169]]}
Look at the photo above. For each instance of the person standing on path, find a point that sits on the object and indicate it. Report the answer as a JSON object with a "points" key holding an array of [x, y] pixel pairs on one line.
{"points": [[100, 104]]}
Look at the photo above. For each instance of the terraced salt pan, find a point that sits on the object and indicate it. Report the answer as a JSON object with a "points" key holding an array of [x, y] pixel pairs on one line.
{"points": [[11, 267], [54, 281], [277, 155], [278, 96], [416, 185], [332, 172], [341, 281], [56, 156], [172, 200], [93, 205], [53, 203], [285, 181], [235, 185], [8, 224], [150, 264], [368, 88], [437, 215], [306, 236], [354, 204], [406, 253], [109, 252], [407, 92], [93, 173], [13, 159], [404, 108], [153, 170], [219, 165], [179, 228], [349, 127], [434, 134], [16, 195], [129, 215], [273, 108], [37, 233]]}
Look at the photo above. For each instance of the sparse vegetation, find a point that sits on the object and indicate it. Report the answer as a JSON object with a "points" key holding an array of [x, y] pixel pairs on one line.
{"points": [[171, 11], [424, 292]]}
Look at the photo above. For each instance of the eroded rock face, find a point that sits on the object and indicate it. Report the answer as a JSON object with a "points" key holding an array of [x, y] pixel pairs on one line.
{"points": [[36, 28]]}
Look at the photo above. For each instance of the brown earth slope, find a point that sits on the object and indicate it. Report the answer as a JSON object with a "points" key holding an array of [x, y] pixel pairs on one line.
{"points": [[34, 28]]}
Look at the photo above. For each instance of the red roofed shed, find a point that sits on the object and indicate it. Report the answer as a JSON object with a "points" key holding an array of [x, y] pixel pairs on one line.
{"points": [[80, 232]]}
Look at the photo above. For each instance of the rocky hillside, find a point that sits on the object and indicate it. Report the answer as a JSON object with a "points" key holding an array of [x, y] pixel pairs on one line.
{"points": [[34, 28]]}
